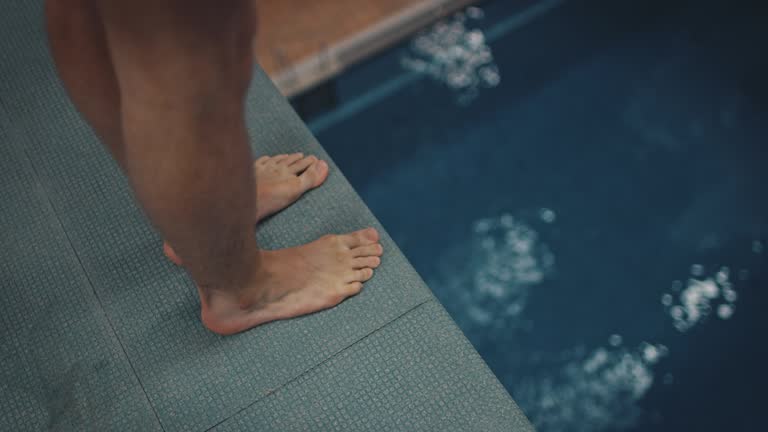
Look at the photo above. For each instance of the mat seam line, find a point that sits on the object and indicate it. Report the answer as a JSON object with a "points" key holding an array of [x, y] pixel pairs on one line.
{"points": [[283, 385], [93, 288]]}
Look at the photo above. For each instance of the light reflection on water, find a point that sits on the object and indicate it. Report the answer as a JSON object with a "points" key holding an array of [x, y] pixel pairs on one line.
{"points": [[580, 389]]}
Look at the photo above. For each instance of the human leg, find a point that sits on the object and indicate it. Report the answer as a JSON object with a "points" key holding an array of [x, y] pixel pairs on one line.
{"points": [[182, 69]]}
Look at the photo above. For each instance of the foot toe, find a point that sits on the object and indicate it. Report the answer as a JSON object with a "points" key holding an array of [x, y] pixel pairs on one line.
{"points": [[366, 262], [315, 175], [279, 158], [352, 288], [368, 250], [361, 275], [362, 237], [291, 158], [262, 160], [302, 164]]}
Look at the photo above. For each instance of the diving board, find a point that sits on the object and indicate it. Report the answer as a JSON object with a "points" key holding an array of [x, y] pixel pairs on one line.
{"points": [[100, 332]]}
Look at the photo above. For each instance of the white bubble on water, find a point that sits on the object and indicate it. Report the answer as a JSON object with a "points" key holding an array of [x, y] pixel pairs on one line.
{"points": [[651, 353], [475, 39], [668, 378], [597, 391], [677, 313], [514, 309], [457, 79], [757, 246], [454, 55], [700, 296], [482, 226], [547, 215], [598, 358], [489, 75], [615, 340], [730, 296], [666, 299], [504, 260], [725, 311], [695, 299], [722, 276], [663, 350]]}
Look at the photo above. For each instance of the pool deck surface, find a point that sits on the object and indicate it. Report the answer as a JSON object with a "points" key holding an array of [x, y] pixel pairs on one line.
{"points": [[300, 44], [100, 332]]}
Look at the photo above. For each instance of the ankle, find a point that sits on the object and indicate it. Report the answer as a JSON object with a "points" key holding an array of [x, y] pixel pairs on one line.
{"points": [[258, 291], [246, 295], [220, 311]]}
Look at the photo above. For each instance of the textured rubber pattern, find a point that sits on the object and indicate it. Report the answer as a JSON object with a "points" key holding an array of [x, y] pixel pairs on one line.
{"points": [[61, 366], [417, 373], [128, 304]]}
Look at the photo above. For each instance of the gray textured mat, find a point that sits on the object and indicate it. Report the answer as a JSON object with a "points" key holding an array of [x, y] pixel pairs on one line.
{"points": [[61, 367], [146, 309], [418, 373]]}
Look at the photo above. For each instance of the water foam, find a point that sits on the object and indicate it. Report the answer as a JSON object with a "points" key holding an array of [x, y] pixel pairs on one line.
{"points": [[699, 296], [455, 55], [508, 259], [595, 391]]}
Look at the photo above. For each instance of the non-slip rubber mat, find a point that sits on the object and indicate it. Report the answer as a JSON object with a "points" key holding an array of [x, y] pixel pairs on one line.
{"points": [[61, 366], [192, 378], [417, 373]]}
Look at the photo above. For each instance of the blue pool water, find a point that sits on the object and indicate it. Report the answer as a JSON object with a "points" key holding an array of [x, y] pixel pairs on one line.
{"points": [[596, 221]]}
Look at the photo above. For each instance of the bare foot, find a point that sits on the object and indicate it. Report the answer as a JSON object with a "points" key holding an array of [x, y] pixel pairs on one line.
{"points": [[296, 281], [280, 181]]}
